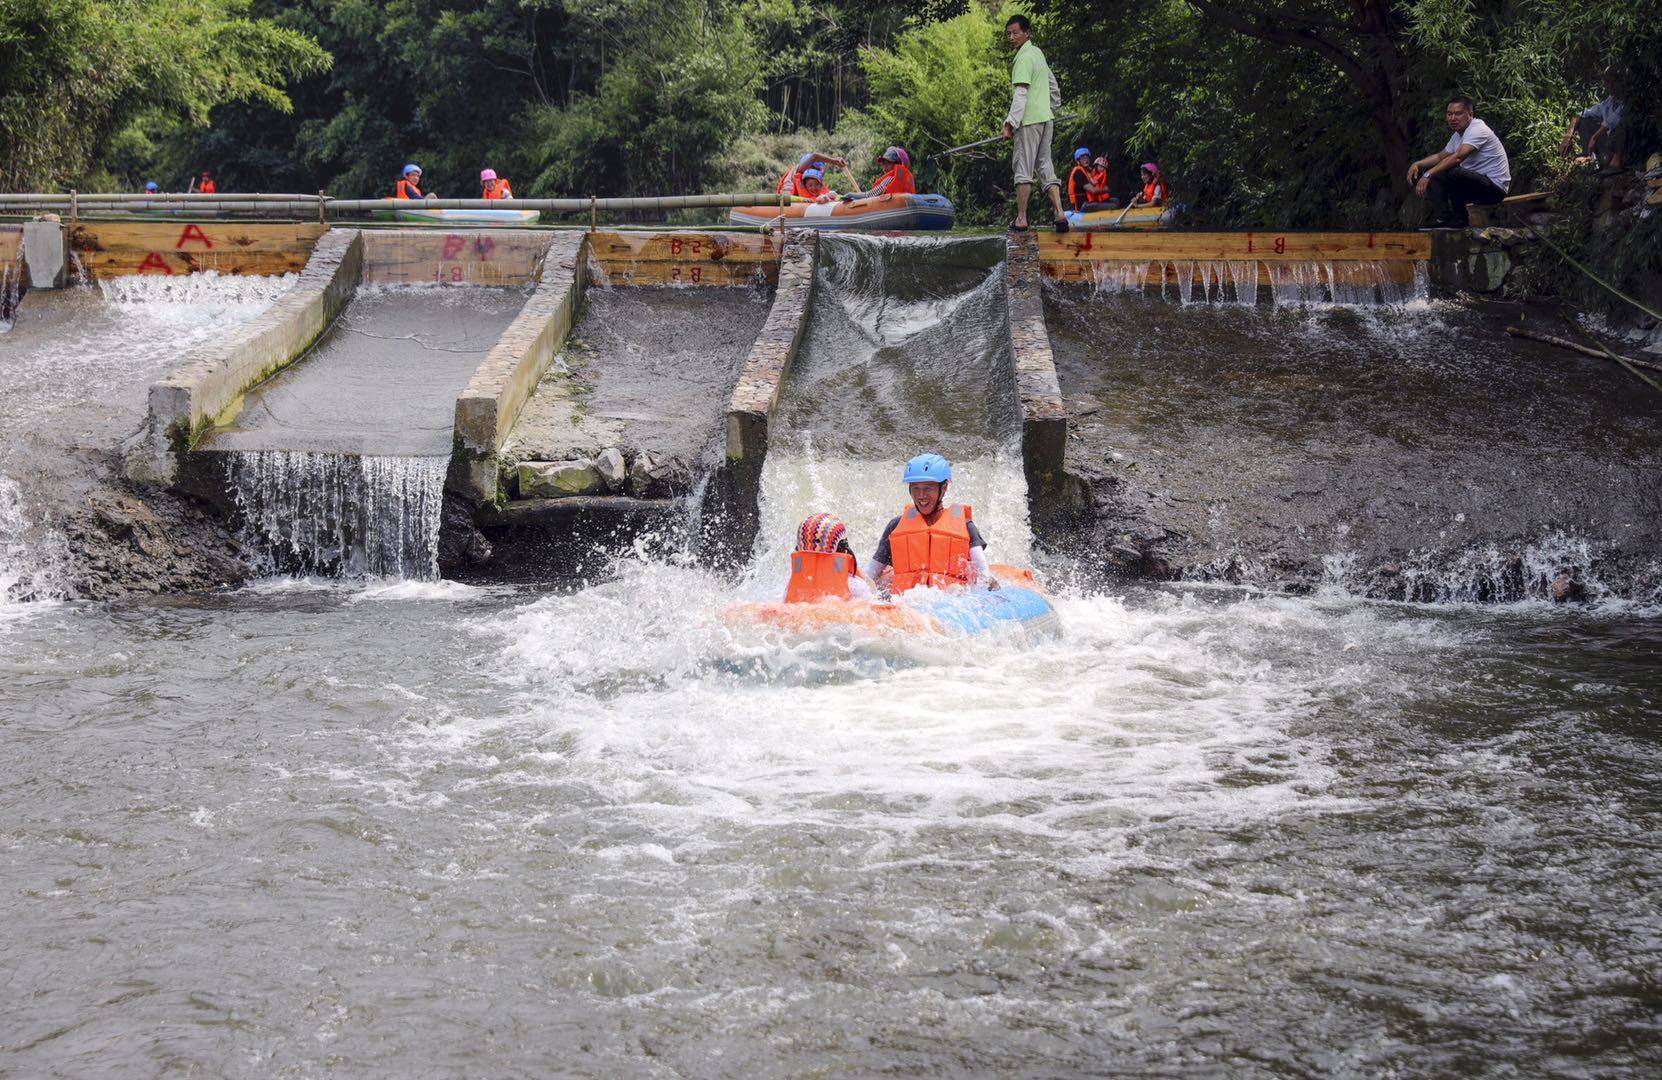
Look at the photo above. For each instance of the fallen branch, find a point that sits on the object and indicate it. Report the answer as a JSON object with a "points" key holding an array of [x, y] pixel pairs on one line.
{"points": [[1585, 350]]}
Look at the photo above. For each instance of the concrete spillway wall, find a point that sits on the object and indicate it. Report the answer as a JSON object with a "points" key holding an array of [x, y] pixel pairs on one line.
{"points": [[1044, 418], [208, 386], [487, 410]]}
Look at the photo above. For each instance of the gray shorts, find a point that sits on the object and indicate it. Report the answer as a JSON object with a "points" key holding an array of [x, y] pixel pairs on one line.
{"points": [[1030, 153]]}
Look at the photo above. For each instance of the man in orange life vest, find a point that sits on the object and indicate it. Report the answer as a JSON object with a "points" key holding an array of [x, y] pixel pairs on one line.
{"points": [[1088, 185], [931, 543], [806, 179], [410, 186], [823, 566], [897, 177]]}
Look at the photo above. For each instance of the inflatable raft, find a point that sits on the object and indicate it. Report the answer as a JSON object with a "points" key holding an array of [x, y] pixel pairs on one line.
{"points": [[416, 212], [882, 212], [1143, 217], [1018, 607]]}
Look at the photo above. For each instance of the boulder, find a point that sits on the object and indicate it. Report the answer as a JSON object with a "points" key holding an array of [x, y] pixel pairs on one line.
{"points": [[613, 472], [557, 479], [655, 477]]}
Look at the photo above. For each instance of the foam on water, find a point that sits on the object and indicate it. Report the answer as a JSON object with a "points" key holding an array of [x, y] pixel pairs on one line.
{"points": [[129, 329]]}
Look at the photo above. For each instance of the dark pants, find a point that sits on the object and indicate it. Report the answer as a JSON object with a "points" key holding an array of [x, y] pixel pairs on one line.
{"points": [[1611, 149], [1091, 207], [1447, 194]]}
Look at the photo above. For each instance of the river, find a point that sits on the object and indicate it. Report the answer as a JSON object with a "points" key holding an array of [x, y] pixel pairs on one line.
{"points": [[381, 828]]}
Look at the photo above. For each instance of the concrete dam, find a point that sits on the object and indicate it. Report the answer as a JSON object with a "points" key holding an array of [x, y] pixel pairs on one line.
{"points": [[1257, 409]]}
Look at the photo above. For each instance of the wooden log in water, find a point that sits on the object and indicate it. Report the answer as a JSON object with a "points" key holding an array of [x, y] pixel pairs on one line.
{"points": [[116, 248]]}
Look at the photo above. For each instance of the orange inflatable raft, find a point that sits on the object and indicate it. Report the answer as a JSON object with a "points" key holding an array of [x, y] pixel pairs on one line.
{"points": [[954, 612]]}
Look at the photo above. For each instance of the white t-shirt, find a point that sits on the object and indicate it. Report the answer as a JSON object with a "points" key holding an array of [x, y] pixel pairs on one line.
{"points": [[1488, 156]]}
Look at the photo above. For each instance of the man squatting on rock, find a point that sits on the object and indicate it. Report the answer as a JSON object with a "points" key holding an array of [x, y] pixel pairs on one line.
{"points": [[1472, 168]]}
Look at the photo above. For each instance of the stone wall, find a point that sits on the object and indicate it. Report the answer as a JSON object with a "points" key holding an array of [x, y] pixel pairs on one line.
{"points": [[207, 388], [757, 392], [488, 407], [1044, 418]]}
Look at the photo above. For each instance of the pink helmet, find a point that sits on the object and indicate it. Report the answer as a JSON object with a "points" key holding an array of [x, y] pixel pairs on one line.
{"points": [[487, 174]]}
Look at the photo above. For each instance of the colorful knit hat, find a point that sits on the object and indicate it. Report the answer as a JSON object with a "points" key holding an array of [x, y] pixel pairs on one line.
{"points": [[821, 532]]}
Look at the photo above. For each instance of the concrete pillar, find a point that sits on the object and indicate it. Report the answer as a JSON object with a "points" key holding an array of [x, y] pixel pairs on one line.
{"points": [[46, 253]]}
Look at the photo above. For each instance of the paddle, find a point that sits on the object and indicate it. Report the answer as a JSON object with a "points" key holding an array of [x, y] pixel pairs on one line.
{"points": [[1124, 212], [987, 142]]}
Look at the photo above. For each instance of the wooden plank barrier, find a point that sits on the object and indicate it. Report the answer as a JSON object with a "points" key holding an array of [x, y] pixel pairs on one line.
{"points": [[1148, 245], [685, 258], [453, 256], [11, 242], [1357, 258], [113, 249], [1172, 271]]}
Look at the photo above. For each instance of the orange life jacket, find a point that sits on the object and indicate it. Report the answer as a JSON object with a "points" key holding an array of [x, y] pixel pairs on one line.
{"points": [[497, 189], [208, 187], [904, 183], [407, 190], [1154, 192], [819, 575], [925, 554], [1077, 179]]}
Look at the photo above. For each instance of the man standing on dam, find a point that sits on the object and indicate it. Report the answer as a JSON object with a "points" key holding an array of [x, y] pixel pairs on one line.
{"points": [[1031, 122]]}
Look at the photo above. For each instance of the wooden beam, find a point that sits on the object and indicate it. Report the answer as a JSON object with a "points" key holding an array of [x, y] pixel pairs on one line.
{"points": [[112, 249], [1174, 271], [11, 242], [1151, 245], [685, 258], [456, 256]]}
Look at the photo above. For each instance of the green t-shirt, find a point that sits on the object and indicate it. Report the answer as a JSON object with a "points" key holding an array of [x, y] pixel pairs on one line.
{"points": [[1030, 68]]}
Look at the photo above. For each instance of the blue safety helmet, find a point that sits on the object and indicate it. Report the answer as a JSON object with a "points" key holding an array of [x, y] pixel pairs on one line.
{"points": [[927, 468], [815, 173], [1082, 152], [410, 168], [151, 186]]}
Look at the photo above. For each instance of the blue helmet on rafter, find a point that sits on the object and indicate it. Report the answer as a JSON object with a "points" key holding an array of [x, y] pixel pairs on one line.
{"points": [[411, 167], [927, 468]]}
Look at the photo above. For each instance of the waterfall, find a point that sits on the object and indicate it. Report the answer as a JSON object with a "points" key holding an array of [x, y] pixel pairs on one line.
{"points": [[1307, 283], [308, 512]]}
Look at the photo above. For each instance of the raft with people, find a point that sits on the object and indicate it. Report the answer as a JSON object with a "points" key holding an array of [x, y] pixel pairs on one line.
{"points": [[929, 575], [891, 202], [407, 201]]}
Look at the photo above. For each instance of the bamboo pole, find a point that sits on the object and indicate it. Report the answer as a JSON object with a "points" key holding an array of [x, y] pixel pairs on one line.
{"points": [[310, 202], [1564, 343]]}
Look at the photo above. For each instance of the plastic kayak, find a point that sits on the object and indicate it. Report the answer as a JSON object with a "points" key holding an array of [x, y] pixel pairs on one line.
{"points": [[1143, 217], [459, 217], [954, 612], [882, 212]]}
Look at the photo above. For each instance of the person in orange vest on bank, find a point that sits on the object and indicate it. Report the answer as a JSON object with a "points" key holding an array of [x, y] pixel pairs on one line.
{"points": [[206, 185], [410, 186], [897, 178], [493, 186], [930, 543], [823, 566]]}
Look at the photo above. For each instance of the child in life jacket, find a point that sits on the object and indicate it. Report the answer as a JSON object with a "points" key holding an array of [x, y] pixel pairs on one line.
{"points": [[823, 566]]}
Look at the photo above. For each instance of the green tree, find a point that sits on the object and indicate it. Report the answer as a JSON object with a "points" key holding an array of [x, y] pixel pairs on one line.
{"points": [[75, 73], [944, 84]]}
